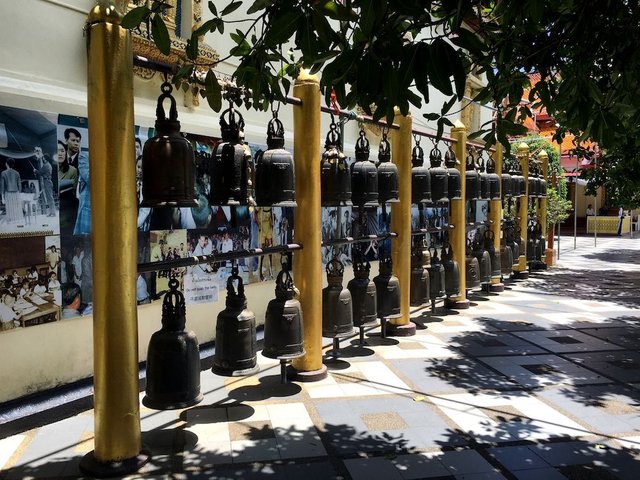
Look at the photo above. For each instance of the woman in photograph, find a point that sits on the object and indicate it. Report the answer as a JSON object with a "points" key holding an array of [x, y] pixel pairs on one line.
{"points": [[10, 185], [54, 284]]}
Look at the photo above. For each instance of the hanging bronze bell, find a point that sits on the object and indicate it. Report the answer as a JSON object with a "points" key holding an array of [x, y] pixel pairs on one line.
{"points": [[231, 166], [494, 180], [387, 289], [541, 243], [436, 277], [515, 247], [543, 186], [364, 176], [533, 182], [235, 352], [439, 178], [506, 259], [363, 293], [484, 182], [283, 335], [275, 171], [531, 245], [387, 174], [522, 182], [337, 309], [472, 269], [472, 179], [335, 177], [484, 260], [455, 180], [419, 287], [173, 358], [168, 163], [420, 177], [517, 180], [494, 255], [451, 272]]}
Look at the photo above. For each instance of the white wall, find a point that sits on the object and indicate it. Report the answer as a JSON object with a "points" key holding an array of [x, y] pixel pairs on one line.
{"points": [[43, 67]]}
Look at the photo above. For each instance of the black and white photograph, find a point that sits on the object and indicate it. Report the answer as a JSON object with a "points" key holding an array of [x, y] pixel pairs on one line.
{"points": [[28, 172], [76, 271], [167, 245]]}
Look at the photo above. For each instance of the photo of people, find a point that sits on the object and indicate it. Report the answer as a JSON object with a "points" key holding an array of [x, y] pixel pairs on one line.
{"points": [[72, 154], [28, 172], [30, 295], [168, 245], [202, 281], [76, 272]]}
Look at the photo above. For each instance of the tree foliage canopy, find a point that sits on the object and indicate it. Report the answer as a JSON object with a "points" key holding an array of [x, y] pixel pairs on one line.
{"points": [[396, 52]]}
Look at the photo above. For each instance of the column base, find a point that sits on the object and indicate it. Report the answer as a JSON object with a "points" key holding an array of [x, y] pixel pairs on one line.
{"points": [[496, 287], [520, 275], [406, 330], [308, 376], [456, 304], [89, 465], [550, 257]]}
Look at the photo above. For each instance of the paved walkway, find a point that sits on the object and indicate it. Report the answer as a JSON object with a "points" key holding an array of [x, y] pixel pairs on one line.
{"points": [[539, 382]]}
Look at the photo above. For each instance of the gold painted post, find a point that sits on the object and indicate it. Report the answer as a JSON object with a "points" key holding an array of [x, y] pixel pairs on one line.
{"points": [[457, 234], [401, 223], [495, 217], [114, 245], [307, 267], [520, 270], [543, 157]]}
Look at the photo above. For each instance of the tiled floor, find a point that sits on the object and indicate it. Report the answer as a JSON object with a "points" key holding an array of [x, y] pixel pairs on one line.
{"points": [[540, 382]]}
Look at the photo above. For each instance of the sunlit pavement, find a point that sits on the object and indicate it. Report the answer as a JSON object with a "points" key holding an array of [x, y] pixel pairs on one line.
{"points": [[539, 382]]}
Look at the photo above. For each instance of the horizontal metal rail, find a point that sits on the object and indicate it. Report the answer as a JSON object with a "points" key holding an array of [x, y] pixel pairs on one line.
{"points": [[349, 240]]}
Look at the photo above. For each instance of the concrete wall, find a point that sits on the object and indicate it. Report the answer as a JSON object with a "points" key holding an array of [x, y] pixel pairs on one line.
{"points": [[43, 68]]}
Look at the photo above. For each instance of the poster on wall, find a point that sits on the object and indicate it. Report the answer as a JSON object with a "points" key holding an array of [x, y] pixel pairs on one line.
{"points": [[28, 172], [29, 288], [76, 275]]}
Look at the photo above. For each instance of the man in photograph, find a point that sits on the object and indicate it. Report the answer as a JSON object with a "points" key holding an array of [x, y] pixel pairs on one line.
{"points": [[73, 139], [43, 171], [80, 160], [10, 185]]}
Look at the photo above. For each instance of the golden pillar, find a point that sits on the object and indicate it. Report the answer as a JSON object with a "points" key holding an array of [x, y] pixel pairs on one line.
{"points": [[543, 158], [401, 223], [457, 217], [114, 245], [307, 267], [495, 217], [520, 270]]}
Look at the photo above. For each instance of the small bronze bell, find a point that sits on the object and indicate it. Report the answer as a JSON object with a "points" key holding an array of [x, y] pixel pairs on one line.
{"points": [[387, 290], [173, 358], [517, 180], [533, 181], [541, 243], [494, 180], [275, 171], [387, 173], [472, 179], [451, 272], [235, 353], [419, 284], [484, 259], [364, 176], [363, 293], [436, 277], [231, 166], [506, 259], [543, 186], [484, 182], [515, 241], [439, 178], [472, 269], [420, 176], [531, 245], [494, 255], [168, 163], [506, 184], [283, 336], [455, 180], [337, 311], [335, 177]]}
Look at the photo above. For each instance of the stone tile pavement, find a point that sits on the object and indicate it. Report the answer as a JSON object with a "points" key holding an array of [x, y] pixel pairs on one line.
{"points": [[538, 382]]}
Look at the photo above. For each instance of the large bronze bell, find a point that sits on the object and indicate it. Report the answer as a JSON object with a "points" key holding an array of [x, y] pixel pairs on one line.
{"points": [[436, 277], [275, 171], [419, 286], [439, 178], [531, 244], [387, 173], [337, 310], [541, 243], [472, 179], [387, 289], [506, 259], [517, 179], [455, 180], [494, 180], [168, 163], [235, 353], [543, 185], [515, 244], [472, 269], [484, 259], [533, 181], [507, 184], [283, 331], [173, 358], [231, 167], [494, 255], [484, 182], [335, 177], [420, 177], [364, 176], [451, 272], [363, 293]]}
